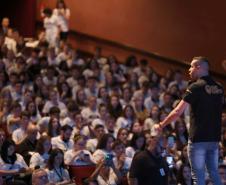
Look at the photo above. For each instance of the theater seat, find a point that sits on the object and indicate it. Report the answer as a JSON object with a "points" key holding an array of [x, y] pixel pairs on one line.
{"points": [[79, 173], [124, 181]]}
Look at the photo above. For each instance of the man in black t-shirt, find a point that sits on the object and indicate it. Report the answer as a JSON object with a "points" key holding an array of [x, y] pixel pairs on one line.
{"points": [[148, 167], [205, 98]]}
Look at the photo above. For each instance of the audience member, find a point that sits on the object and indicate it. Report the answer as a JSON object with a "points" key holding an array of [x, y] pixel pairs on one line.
{"points": [[51, 24], [148, 166], [78, 155], [63, 141], [57, 173], [40, 157], [28, 145], [63, 14]]}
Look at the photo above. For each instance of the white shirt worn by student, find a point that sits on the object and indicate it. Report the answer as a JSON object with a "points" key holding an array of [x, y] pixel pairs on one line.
{"points": [[49, 104], [38, 160], [91, 144], [58, 175], [68, 121], [100, 154], [89, 114], [130, 152], [11, 127], [69, 155], [18, 164], [122, 122], [51, 29], [112, 180], [57, 142], [62, 20], [19, 135]]}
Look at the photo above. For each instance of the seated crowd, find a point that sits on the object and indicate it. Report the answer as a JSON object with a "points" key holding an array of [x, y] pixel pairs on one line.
{"points": [[59, 108]]}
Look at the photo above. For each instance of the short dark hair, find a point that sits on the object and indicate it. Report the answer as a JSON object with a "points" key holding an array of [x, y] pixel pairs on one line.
{"points": [[48, 11], [201, 59], [222, 166], [66, 127], [54, 110], [98, 126], [25, 114]]}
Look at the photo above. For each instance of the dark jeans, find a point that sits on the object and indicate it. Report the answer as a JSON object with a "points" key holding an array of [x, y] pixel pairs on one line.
{"points": [[63, 36]]}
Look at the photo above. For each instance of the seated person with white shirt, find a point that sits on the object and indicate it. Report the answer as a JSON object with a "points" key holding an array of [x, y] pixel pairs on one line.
{"points": [[121, 161], [78, 156], [40, 177], [57, 173], [43, 123], [20, 133], [92, 142], [40, 157], [10, 160], [63, 141]]}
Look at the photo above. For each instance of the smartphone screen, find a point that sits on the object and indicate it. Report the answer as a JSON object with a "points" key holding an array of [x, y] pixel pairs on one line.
{"points": [[169, 160], [171, 141]]}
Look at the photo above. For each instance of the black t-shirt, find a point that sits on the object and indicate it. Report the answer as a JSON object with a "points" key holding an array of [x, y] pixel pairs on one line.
{"points": [[206, 99], [148, 169]]}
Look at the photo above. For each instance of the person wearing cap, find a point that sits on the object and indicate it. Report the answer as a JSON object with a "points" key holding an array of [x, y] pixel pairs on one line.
{"points": [[205, 98], [148, 166]]}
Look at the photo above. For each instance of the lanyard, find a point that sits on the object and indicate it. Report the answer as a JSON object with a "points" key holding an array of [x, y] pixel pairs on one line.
{"points": [[59, 174]]}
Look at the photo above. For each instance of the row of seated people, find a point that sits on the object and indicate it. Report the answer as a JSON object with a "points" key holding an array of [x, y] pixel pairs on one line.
{"points": [[58, 107]]}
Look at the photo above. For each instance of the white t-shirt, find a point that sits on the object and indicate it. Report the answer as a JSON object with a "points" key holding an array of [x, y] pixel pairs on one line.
{"points": [[63, 21], [51, 28], [48, 105], [91, 144], [38, 160], [58, 175], [69, 155], [57, 142], [122, 122], [18, 164], [130, 152], [112, 180], [89, 114], [19, 135], [11, 126]]}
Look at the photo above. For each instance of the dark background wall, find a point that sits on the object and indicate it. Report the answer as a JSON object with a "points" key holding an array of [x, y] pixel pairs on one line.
{"points": [[22, 14], [176, 29]]}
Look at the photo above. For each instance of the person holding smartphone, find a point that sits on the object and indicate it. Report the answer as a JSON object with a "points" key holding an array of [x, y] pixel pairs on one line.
{"points": [[78, 156], [205, 98], [106, 172]]}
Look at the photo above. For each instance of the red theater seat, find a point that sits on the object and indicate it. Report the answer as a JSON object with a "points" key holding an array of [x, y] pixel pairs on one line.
{"points": [[79, 173]]}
